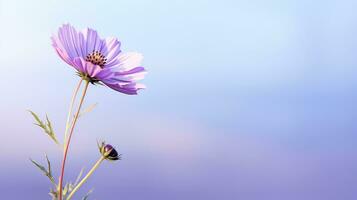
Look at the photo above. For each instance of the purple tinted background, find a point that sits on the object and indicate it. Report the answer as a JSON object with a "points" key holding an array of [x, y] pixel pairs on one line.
{"points": [[246, 99]]}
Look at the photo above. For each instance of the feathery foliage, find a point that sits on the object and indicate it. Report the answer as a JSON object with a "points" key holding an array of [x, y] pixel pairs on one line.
{"points": [[46, 126]]}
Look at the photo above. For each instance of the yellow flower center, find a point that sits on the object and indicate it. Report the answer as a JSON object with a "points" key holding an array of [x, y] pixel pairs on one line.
{"points": [[96, 58]]}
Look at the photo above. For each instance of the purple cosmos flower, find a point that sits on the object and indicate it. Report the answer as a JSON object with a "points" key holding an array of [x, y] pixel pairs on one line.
{"points": [[99, 60]]}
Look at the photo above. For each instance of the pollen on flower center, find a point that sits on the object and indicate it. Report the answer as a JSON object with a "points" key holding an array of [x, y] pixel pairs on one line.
{"points": [[96, 58]]}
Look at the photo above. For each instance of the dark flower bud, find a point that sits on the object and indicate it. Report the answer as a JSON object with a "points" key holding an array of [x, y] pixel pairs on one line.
{"points": [[109, 152]]}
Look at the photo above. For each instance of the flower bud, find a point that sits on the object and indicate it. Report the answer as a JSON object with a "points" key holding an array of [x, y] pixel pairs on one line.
{"points": [[109, 152]]}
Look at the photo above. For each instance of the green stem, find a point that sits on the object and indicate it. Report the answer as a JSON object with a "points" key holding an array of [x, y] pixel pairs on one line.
{"points": [[74, 96], [60, 184], [95, 166]]}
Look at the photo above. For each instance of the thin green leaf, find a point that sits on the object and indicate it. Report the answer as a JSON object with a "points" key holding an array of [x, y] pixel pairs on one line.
{"points": [[79, 177], [87, 110], [70, 187], [47, 127], [42, 168], [48, 166], [50, 131], [53, 194], [65, 189], [39, 122], [87, 195], [45, 171]]}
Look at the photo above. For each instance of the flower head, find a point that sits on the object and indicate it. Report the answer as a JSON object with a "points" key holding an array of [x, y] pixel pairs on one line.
{"points": [[99, 60], [108, 152]]}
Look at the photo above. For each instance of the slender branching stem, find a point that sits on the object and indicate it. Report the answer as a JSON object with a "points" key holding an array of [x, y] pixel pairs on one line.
{"points": [[66, 146], [95, 166], [74, 96]]}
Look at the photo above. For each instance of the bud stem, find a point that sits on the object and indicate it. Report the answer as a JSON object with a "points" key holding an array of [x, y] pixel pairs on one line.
{"points": [[60, 184], [95, 166]]}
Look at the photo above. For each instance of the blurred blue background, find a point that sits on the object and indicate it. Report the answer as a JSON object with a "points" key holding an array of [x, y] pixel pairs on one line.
{"points": [[252, 100]]}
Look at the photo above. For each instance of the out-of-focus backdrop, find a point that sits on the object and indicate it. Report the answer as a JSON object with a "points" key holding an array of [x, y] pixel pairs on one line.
{"points": [[252, 100]]}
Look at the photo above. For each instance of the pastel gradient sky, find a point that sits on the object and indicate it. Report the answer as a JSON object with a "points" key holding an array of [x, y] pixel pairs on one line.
{"points": [[251, 100]]}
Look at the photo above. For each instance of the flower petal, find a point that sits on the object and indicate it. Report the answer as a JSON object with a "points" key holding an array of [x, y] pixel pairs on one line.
{"points": [[104, 74], [129, 88], [69, 41], [125, 77], [111, 48], [62, 54], [126, 61], [92, 41], [79, 64], [134, 74], [87, 67]]}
